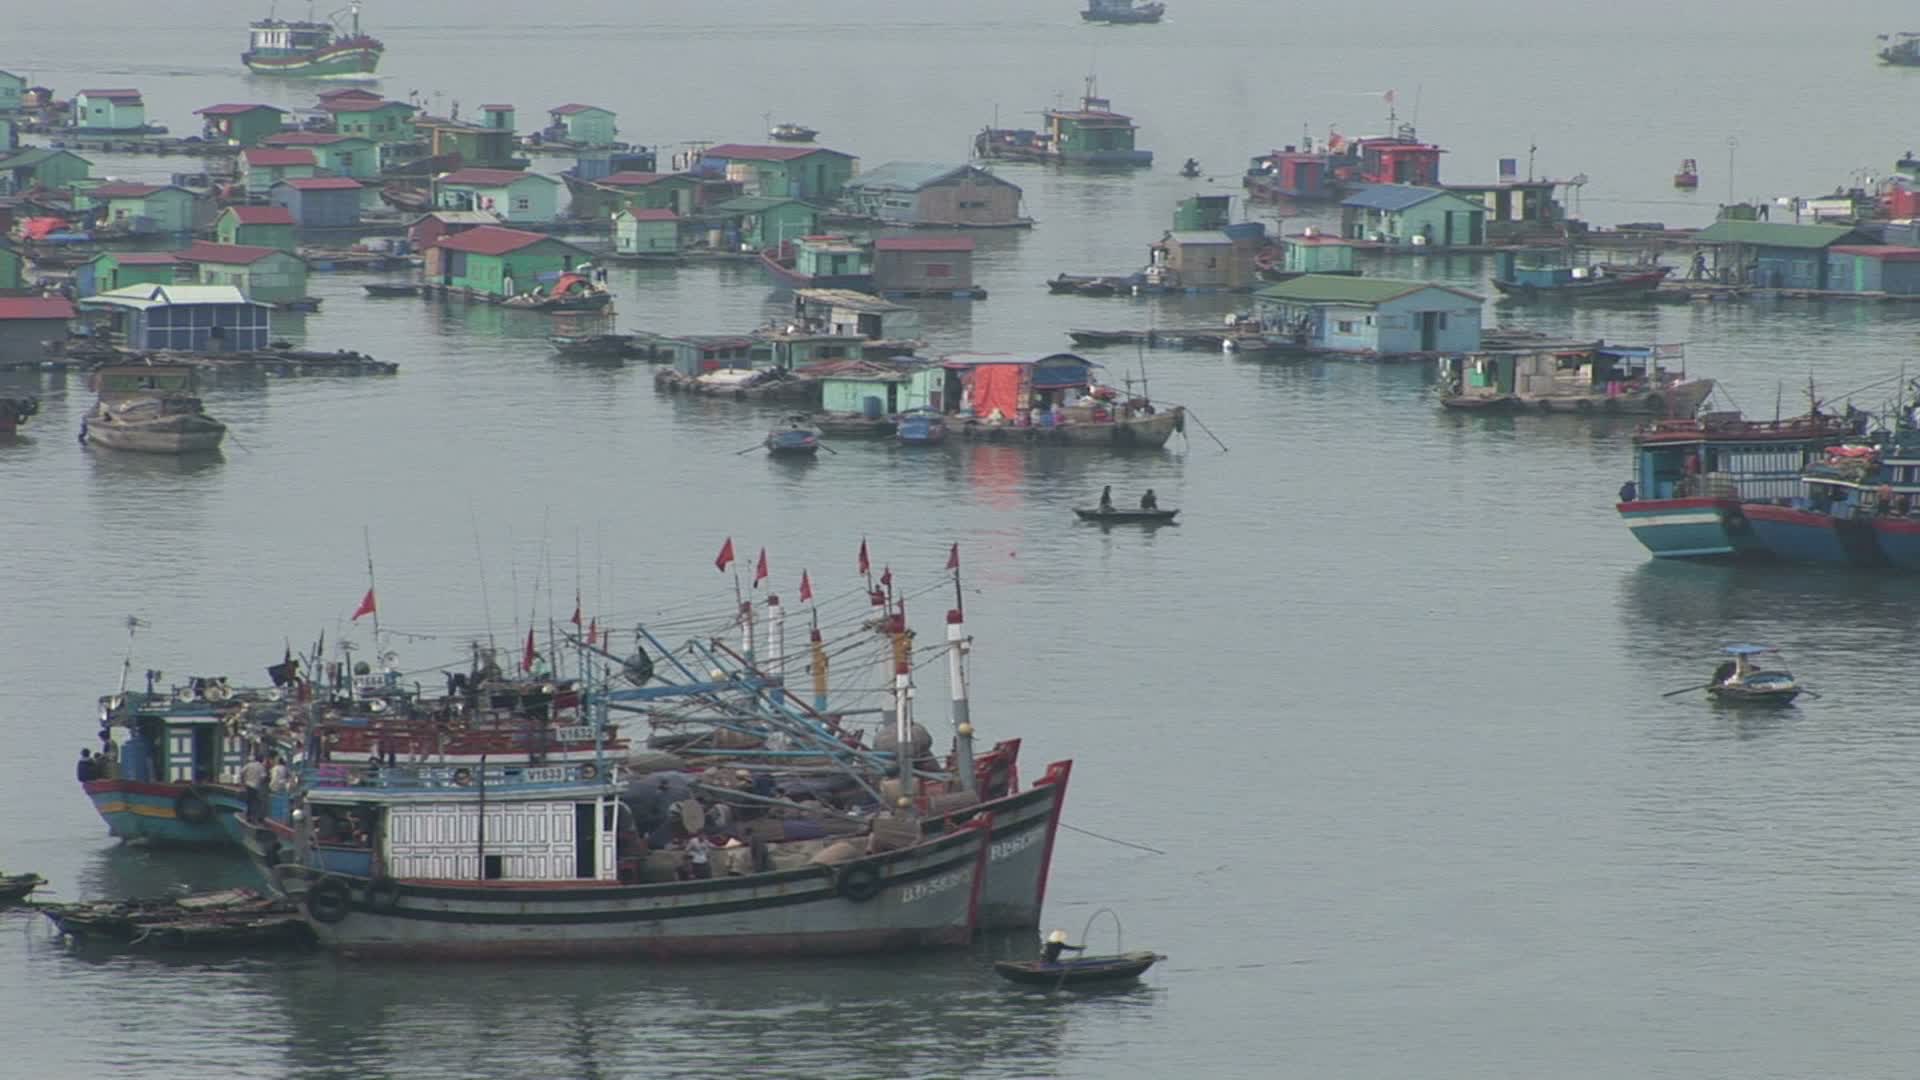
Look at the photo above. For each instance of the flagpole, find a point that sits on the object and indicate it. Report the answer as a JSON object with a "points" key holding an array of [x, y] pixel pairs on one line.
{"points": [[366, 540]]}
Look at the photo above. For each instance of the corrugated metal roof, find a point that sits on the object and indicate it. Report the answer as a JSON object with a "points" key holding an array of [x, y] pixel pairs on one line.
{"points": [[851, 299], [632, 178], [924, 242], [904, 176], [1364, 291], [140, 258], [969, 359], [261, 215], [362, 104], [742, 152], [458, 217], [267, 157], [226, 254], [308, 138], [234, 109], [491, 177], [322, 183], [650, 215], [1772, 234], [35, 307], [110, 95], [27, 159], [142, 297], [571, 109], [1200, 237], [123, 190], [494, 240], [1391, 197], [750, 204]]}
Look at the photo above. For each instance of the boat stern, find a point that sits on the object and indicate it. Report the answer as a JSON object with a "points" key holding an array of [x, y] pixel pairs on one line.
{"points": [[1688, 528], [167, 815]]}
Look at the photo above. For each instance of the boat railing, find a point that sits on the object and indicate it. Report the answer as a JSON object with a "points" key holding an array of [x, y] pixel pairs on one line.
{"points": [[494, 779]]}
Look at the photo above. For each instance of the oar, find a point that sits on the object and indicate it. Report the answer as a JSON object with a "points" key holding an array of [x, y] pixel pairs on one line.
{"points": [[1810, 690], [1686, 689], [761, 445], [825, 447]]}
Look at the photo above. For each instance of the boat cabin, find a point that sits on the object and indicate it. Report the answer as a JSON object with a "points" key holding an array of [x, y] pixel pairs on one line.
{"points": [[1001, 388], [278, 37], [1572, 370], [1399, 159], [178, 736], [1720, 455]]}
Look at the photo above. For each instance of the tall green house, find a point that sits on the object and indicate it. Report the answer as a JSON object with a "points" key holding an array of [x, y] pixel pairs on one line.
{"points": [[581, 125], [137, 209], [375, 119], [112, 270], [262, 274], [55, 170], [1407, 215], [264, 166], [240, 125], [646, 233], [499, 262], [755, 222], [628, 190], [333, 155], [109, 110], [256, 226], [12, 89], [813, 173]]}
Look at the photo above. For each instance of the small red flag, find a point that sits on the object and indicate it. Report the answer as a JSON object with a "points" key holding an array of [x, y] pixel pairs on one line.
{"points": [[366, 606], [526, 656], [760, 569], [886, 578], [726, 556], [866, 566], [953, 558], [593, 632], [576, 609], [806, 587]]}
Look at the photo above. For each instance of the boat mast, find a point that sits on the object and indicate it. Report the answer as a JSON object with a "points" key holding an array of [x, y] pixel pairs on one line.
{"points": [[777, 637], [903, 699], [958, 645]]}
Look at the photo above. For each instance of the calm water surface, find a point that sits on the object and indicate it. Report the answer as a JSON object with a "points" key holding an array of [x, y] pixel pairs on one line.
{"points": [[1388, 699]]}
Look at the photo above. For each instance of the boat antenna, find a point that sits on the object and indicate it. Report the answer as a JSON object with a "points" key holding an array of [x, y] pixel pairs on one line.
{"points": [[1779, 392], [480, 556], [134, 623]]}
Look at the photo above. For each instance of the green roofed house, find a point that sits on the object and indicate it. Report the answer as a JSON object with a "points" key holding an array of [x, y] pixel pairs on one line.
{"points": [[109, 110], [54, 170], [136, 209], [499, 262], [240, 125], [813, 173], [1374, 317], [1774, 256], [643, 233], [256, 226], [333, 155], [371, 118], [12, 89], [581, 125]]}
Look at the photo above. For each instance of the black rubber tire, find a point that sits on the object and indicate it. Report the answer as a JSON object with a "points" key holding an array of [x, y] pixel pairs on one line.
{"points": [[192, 807], [329, 900], [859, 882]]}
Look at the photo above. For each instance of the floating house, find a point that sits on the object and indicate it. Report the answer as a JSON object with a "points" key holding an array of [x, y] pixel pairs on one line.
{"points": [[478, 146], [1213, 260], [256, 226], [847, 313], [138, 209], [1304, 175], [517, 197], [1883, 270], [997, 387], [13, 92], [1516, 209], [694, 355], [260, 273], [1774, 256], [1373, 317], [918, 194], [333, 155], [1312, 252], [263, 166], [878, 389], [646, 232], [820, 262], [188, 318], [1404, 215], [240, 125], [370, 117], [813, 173], [499, 262], [41, 167], [27, 323], [427, 229], [755, 222], [678, 192], [320, 202], [923, 265], [109, 110], [112, 270], [1091, 135], [581, 125]]}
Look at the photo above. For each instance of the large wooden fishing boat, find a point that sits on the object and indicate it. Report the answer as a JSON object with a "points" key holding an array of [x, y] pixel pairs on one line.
{"points": [[1093, 134], [1122, 11], [312, 50], [1049, 400], [150, 408], [1584, 378]]}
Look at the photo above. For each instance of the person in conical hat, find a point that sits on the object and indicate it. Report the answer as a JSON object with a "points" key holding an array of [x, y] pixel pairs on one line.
{"points": [[1056, 944]]}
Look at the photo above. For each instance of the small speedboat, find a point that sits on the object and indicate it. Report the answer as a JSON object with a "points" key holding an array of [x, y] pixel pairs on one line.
{"points": [[792, 133], [793, 438], [1087, 971], [1688, 177], [17, 887], [1120, 516], [1741, 681]]}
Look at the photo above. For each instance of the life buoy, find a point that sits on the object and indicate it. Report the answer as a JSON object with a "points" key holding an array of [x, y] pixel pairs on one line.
{"points": [[589, 771], [859, 882], [462, 777], [329, 900], [192, 807]]}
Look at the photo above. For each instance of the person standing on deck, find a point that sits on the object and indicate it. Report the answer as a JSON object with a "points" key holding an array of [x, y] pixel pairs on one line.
{"points": [[1056, 944], [86, 770], [253, 777], [1629, 491]]}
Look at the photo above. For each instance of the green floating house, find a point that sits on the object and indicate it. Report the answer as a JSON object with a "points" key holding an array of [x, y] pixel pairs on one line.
{"points": [[109, 110], [1313, 252], [373, 118], [261, 274], [499, 262], [581, 125], [643, 233], [240, 125], [813, 173], [137, 209], [264, 166], [333, 155], [55, 170], [256, 226], [876, 389], [112, 270], [757, 222]]}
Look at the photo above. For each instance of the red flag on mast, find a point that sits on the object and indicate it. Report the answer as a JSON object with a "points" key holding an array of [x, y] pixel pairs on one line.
{"points": [[726, 556], [886, 578], [760, 569], [366, 606], [806, 587], [866, 566], [526, 655], [953, 558]]}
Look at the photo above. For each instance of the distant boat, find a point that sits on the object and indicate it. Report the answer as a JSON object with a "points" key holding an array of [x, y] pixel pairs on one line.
{"points": [[150, 408], [1122, 516], [1902, 49], [381, 289], [1601, 281], [311, 50], [571, 292], [1688, 177], [792, 133], [1191, 169], [1122, 11], [920, 427], [793, 437]]}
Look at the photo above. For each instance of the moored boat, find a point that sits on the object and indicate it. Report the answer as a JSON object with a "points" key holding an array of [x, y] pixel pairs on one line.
{"points": [[1051, 399], [1585, 378], [792, 133], [1124, 516], [175, 770], [1600, 281], [1688, 177], [311, 50], [1093, 134], [920, 427], [1691, 477], [379, 290], [1831, 519], [793, 437], [1901, 49], [150, 408], [17, 887], [15, 412], [1122, 12], [570, 292], [1081, 972], [230, 919]]}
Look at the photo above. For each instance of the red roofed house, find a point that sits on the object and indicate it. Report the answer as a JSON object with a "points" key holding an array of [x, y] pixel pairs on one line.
{"points": [[322, 202], [923, 263], [112, 270], [333, 155], [646, 232], [138, 209], [516, 197], [27, 322], [259, 226], [109, 110], [261, 273], [263, 167], [240, 125], [498, 262], [426, 230], [370, 117], [813, 173]]}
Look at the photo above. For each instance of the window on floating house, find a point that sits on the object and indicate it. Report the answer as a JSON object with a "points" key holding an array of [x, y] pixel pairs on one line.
{"points": [[1344, 326], [521, 202]]}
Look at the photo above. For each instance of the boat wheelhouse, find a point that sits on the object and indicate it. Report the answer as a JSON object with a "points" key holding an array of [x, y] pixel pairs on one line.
{"points": [[177, 773], [1587, 378], [1329, 171], [1093, 134], [1691, 477]]}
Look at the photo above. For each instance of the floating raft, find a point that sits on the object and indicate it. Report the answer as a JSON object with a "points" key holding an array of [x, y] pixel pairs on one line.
{"points": [[230, 919], [276, 363], [1211, 338]]}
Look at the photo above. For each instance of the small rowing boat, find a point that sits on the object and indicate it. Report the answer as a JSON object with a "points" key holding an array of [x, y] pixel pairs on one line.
{"points": [[17, 887], [1084, 972], [795, 437], [386, 289], [1741, 681], [1116, 516]]}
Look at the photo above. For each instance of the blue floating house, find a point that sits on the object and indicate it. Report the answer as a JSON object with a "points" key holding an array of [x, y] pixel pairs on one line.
{"points": [[1407, 215], [1373, 317], [1773, 255], [1889, 270], [189, 318]]}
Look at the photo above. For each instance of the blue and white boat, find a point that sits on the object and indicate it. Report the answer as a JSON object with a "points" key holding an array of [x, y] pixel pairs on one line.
{"points": [[177, 774], [920, 427], [793, 437]]}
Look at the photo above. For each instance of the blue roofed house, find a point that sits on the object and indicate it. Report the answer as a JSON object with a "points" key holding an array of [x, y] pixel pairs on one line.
{"points": [[191, 318], [1406, 215], [1373, 317], [918, 193]]}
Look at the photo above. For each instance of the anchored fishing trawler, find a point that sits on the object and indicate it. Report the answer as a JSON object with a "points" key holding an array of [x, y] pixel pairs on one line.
{"points": [[312, 50], [1584, 378]]}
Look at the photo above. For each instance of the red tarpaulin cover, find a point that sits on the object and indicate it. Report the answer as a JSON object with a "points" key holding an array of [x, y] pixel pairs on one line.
{"points": [[996, 386], [39, 228]]}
